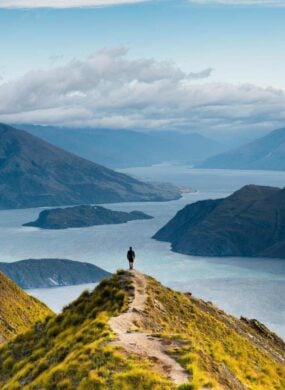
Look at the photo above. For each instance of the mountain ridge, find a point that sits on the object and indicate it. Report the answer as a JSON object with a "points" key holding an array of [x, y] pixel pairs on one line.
{"points": [[132, 148], [250, 223], [195, 344], [45, 273], [265, 153], [34, 173]]}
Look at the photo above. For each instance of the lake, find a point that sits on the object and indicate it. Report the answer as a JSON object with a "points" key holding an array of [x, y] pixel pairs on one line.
{"points": [[251, 287]]}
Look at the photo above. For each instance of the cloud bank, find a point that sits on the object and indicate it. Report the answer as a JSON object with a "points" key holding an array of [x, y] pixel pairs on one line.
{"points": [[104, 3], [63, 3], [110, 90]]}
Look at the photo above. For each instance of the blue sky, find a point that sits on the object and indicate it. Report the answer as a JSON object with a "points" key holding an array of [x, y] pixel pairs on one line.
{"points": [[242, 44]]}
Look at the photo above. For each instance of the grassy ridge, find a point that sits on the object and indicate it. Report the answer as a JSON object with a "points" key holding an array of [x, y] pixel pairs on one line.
{"points": [[217, 350], [73, 351], [18, 310]]}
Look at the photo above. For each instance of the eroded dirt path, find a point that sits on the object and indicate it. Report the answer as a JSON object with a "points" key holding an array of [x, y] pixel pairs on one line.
{"points": [[140, 343]]}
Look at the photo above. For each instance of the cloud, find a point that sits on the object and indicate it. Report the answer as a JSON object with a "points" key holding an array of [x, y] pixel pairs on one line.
{"points": [[63, 3], [108, 89]]}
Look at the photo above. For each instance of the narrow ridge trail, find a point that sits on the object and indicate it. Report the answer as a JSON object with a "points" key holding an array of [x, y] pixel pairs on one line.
{"points": [[144, 344]]}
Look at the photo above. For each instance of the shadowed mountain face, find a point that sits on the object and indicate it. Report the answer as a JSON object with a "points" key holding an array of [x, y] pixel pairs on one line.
{"points": [[34, 173], [83, 216], [251, 222], [45, 273], [266, 153], [124, 148], [18, 310]]}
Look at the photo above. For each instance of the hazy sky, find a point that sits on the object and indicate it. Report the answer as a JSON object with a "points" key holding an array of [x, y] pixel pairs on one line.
{"points": [[176, 64]]}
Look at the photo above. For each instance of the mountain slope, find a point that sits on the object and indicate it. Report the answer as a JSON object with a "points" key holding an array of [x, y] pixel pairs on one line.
{"points": [[251, 222], [93, 345], [34, 173], [44, 273], [266, 153], [124, 148], [18, 310]]}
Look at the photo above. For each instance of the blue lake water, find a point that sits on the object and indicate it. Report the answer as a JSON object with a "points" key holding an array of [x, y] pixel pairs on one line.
{"points": [[251, 287]]}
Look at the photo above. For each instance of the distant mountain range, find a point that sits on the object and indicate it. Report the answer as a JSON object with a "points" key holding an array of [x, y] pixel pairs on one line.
{"points": [[18, 310], [44, 273], [34, 173], [266, 153], [83, 216], [124, 148], [251, 222]]}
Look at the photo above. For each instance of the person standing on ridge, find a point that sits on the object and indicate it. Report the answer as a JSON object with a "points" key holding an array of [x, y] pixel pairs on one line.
{"points": [[131, 257]]}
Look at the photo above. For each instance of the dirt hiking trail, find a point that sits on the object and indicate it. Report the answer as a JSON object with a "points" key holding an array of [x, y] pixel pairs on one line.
{"points": [[144, 344]]}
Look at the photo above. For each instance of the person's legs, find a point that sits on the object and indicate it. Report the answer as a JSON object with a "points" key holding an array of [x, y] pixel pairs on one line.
{"points": [[131, 265]]}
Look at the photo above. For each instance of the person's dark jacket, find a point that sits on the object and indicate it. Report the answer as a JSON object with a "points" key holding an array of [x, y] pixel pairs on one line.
{"points": [[131, 255]]}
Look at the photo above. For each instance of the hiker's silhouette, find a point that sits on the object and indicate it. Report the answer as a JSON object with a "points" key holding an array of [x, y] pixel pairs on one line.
{"points": [[131, 257]]}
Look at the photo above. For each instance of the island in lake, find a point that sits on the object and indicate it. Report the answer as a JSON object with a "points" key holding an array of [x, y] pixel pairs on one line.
{"points": [[249, 223], [83, 216], [45, 273]]}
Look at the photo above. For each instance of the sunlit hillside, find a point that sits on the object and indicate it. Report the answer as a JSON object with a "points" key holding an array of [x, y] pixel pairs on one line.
{"points": [[133, 333], [18, 310]]}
